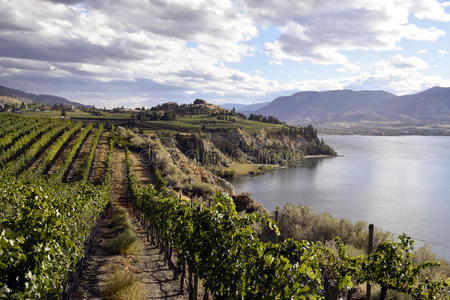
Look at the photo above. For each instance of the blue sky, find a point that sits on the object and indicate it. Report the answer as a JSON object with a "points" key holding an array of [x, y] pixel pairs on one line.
{"points": [[144, 52]]}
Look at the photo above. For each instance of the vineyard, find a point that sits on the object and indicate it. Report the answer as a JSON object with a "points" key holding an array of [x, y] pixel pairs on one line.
{"points": [[69, 190]]}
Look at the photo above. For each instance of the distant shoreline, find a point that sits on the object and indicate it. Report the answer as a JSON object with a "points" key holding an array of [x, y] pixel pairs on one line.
{"points": [[386, 135], [383, 134]]}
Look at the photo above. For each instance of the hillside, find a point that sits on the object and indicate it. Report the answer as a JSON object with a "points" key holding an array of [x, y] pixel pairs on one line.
{"points": [[13, 96], [246, 109], [228, 143], [346, 111]]}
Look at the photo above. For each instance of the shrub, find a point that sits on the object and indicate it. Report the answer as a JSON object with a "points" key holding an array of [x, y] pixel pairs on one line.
{"points": [[245, 203], [123, 285], [301, 223], [125, 241]]}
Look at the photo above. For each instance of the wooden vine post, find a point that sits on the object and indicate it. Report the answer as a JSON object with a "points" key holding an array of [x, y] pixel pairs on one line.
{"points": [[369, 251]]}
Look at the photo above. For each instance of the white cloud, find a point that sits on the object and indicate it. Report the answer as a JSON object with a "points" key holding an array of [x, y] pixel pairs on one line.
{"points": [[423, 51], [443, 52], [130, 39], [409, 63], [276, 62], [412, 32], [431, 9], [349, 68], [320, 30], [150, 49], [399, 75]]}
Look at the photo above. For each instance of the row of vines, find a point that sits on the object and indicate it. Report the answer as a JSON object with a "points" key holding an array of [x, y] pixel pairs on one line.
{"points": [[223, 250], [45, 224]]}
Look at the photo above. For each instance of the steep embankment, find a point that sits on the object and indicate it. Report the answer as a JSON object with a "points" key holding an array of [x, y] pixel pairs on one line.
{"points": [[191, 163]]}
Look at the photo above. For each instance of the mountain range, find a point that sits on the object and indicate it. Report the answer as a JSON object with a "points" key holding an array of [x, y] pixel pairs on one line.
{"points": [[13, 96], [337, 111], [347, 111]]}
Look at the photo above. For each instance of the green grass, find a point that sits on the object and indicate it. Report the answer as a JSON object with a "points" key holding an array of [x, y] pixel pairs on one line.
{"points": [[189, 123], [77, 114], [50, 114], [247, 168]]}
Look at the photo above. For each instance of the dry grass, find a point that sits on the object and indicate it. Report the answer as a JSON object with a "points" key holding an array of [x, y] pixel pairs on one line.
{"points": [[125, 241], [242, 168], [123, 285]]}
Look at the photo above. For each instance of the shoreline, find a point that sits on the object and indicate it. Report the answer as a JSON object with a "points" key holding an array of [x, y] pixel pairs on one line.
{"points": [[270, 168], [320, 156]]}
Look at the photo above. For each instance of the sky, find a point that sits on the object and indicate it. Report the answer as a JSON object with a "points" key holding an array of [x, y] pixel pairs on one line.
{"points": [[143, 52]]}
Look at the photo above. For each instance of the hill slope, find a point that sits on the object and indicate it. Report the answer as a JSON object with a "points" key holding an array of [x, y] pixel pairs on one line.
{"points": [[13, 96], [246, 109]]}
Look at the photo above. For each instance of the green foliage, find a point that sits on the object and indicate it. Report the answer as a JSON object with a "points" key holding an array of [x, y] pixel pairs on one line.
{"points": [[21, 144], [265, 119], [299, 222], [58, 175], [30, 153], [391, 266], [43, 229], [221, 247], [51, 153], [17, 130], [44, 224], [90, 157]]}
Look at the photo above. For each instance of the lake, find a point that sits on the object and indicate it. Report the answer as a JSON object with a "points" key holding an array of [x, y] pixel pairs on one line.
{"points": [[400, 184]]}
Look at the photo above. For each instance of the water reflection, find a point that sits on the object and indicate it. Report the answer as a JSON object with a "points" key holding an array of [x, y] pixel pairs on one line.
{"points": [[398, 183]]}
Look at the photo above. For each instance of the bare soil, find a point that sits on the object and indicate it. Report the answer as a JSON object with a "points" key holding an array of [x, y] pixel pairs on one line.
{"points": [[97, 172], [148, 265], [141, 169]]}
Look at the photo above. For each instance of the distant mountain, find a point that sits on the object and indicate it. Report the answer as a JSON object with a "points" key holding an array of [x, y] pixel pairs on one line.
{"points": [[431, 105], [16, 96], [246, 109], [347, 109]]}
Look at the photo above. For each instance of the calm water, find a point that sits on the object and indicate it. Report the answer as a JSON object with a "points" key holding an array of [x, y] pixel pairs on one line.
{"points": [[401, 184]]}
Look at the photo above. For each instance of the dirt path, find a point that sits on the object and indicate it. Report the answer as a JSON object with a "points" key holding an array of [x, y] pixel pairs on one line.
{"points": [[98, 166], [75, 168], [147, 264], [141, 169], [143, 172]]}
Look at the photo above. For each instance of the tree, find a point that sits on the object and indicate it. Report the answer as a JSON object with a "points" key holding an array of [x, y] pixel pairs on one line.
{"points": [[199, 101], [63, 111]]}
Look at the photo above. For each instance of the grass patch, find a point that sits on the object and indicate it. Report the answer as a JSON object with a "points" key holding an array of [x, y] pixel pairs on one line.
{"points": [[125, 241], [190, 122], [248, 169], [123, 285]]}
